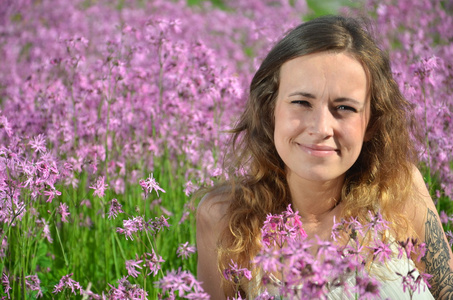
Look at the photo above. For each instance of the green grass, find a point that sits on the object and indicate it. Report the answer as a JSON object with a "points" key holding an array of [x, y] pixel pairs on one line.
{"points": [[327, 7], [96, 254]]}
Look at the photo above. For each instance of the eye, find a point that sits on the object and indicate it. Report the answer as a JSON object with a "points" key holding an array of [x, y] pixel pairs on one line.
{"points": [[302, 103], [345, 107]]}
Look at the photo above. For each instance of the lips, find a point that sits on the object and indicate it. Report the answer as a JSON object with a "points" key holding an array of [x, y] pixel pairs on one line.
{"points": [[319, 150]]}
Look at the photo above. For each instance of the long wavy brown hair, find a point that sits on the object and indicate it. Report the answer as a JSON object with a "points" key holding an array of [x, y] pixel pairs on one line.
{"points": [[381, 176]]}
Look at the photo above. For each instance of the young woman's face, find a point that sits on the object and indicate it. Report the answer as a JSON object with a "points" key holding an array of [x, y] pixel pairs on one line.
{"points": [[321, 115]]}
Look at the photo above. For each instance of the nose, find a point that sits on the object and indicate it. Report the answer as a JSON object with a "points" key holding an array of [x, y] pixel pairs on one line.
{"points": [[321, 123]]}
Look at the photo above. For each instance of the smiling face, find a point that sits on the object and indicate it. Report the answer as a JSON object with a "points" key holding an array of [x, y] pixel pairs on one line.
{"points": [[321, 115]]}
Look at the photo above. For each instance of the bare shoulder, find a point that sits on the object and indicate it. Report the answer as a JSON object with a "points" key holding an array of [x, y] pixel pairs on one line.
{"points": [[420, 207], [417, 205], [419, 185], [213, 207], [211, 222]]}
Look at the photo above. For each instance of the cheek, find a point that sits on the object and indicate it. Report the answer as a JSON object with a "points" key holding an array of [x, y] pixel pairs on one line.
{"points": [[286, 129], [279, 134], [287, 122], [279, 124], [282, 135]]}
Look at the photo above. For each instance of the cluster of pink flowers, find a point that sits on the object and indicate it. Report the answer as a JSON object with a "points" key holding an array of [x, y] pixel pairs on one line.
{"points": [[126, 290], [311, 269], [423, 71], [181, 285], [236, 274], [279, 229], [152, 264], [66, 282], [137, 224]]}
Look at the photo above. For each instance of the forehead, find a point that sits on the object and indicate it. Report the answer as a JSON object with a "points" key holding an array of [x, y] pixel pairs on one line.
{"points": [[339, 72]]}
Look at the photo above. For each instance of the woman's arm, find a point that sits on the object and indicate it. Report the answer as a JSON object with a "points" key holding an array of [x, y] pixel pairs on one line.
{"points": [[210, 223], [438, 260]]}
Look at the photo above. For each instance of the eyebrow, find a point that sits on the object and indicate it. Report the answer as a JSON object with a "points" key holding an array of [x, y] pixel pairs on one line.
{"points": [[345, 99], [338, 100], [303, 94]]}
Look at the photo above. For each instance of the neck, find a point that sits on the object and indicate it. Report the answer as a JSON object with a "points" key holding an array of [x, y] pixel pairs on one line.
{"points": [[315, 200]]}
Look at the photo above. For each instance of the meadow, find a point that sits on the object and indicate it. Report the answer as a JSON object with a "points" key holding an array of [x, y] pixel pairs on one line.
{"points": [[114, 112]]}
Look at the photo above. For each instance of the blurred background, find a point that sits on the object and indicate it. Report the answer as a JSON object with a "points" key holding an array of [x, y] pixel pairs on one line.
{"points": [[114, 112]]}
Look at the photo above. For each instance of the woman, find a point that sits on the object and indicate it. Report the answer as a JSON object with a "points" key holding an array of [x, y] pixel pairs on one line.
{"points": [[325, 130]]}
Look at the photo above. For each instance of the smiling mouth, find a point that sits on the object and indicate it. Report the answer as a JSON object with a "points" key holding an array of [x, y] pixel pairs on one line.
{"points": [[319, 150]]}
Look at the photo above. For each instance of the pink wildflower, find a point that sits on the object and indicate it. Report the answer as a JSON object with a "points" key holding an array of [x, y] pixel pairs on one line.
{"points": [[51, 194], [181, 284], [6, 285], [4, 123], [408, 281], [33, 283], [354, 251], [420, 251], [157, 224], [411, 246], [115, 209], [367, 287], [38, 143], [131, 227], [63, 211], [235, 274], [126, 290], [46, 233], [185, 250], [47, 168], [265, 296], [153, 262], [100, 187], [236, 297], [94, 163], [46, 229], [150, 184], [67, 283], [443, 217], [138, 224], [131, 266], [325, 248], [189, 188], [376, 223], [424, 277], [278, 229], [3, 246], [269, 259], [381, 251]]}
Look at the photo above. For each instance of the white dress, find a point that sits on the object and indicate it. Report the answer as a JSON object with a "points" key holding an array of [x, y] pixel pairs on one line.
{"points": [[391, 287]]}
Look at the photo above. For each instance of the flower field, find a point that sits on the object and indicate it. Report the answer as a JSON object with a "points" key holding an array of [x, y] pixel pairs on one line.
{"points": [[114, 112]]}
